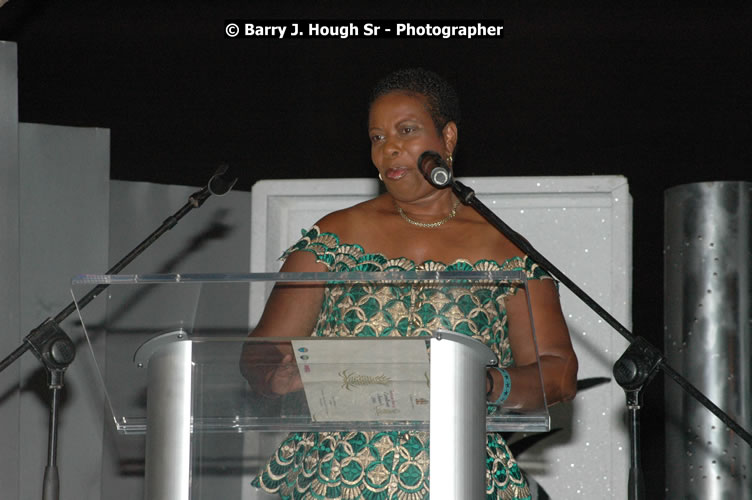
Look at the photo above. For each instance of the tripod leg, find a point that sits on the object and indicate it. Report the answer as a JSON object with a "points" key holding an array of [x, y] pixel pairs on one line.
{"points": [[51, 485], [636, 479]]}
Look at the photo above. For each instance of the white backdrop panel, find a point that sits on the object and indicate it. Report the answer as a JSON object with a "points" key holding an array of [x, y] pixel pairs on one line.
{"points": [[584, 226], [10, 323], [64, 194], [212, 238]]}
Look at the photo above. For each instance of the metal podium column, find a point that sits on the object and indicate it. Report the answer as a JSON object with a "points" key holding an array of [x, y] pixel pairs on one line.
{"points": [[168, 416], [458, 416]]}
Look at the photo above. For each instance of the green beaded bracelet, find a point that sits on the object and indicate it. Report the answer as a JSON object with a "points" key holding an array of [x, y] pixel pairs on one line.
{"points": [[507, 387]]}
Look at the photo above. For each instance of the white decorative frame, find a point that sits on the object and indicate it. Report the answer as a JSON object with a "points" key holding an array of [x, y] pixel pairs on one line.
{"points": [[581, 224]]}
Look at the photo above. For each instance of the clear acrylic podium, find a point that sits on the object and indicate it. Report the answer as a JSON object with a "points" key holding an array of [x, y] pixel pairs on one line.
{"points": [[177, 365]]}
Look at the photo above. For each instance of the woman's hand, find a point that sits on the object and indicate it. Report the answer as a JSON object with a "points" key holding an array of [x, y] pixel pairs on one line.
{"points": [[285, 378], [270, 368]]}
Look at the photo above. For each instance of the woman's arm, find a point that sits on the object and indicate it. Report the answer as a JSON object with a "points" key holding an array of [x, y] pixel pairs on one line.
{"points": [[292, 308], [558, 361], [291, 311]]}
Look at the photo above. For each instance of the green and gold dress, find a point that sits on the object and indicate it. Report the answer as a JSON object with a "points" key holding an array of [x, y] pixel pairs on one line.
{"points": [[393, 465]]}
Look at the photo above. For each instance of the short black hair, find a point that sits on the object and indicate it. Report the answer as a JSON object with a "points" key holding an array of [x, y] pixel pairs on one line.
{"points": [[441, 98]]}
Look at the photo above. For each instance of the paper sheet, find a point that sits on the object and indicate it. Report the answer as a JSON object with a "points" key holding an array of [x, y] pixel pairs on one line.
{"points": [[365, 379]]}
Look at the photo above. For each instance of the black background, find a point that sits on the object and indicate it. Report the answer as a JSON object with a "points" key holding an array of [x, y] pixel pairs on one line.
{"points": [[657, 94]]}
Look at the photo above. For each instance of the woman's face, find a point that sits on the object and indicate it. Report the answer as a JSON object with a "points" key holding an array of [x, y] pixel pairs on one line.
{"points": [[401, 129]]}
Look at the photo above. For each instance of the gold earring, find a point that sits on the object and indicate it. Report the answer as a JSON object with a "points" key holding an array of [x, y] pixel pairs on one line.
{"points": [[449, 160], [380, 178]]}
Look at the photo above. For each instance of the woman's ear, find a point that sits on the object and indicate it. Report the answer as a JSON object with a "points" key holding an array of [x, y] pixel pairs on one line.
{"points": [[449, 134]]}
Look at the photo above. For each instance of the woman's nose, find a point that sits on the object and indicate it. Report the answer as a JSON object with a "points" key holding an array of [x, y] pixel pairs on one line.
{"points": [[392, 146]]}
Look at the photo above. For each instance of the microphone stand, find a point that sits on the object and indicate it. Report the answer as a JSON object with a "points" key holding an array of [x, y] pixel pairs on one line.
{"points": [[633, 370], [56, 351]]}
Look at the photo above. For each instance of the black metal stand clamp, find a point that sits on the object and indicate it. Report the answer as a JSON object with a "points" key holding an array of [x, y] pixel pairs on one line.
{"points": [[55, 349], [633, 371]]}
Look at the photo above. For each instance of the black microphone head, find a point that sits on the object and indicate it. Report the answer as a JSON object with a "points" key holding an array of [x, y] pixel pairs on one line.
{"points": [[222, 181], [441, 177], [427, 160], [434, 169]]}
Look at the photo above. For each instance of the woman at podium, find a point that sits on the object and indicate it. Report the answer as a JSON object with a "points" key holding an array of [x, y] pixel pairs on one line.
{"points": [[412, 226]]}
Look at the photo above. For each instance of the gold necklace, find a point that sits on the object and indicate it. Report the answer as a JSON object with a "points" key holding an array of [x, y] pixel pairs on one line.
{"points": [[428, 224]]}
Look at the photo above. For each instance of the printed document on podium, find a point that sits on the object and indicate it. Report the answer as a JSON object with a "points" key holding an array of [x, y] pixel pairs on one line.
{"points": [[348, 380]]}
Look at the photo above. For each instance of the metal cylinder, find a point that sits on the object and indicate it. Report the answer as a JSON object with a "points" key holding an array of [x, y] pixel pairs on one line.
{"points": [[708, 323], [458, 416], [168, 410]]}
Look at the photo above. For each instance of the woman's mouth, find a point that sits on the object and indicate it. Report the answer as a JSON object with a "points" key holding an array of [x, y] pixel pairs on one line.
{"points": [[396, 173]]}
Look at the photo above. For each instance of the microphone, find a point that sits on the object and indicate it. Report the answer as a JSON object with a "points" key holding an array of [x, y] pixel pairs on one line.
{"points": [[222, 181], [435, 169]]}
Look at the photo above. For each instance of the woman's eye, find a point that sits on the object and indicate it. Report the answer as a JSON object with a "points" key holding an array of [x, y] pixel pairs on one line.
{"points": [[407, 130], [376, 138]]}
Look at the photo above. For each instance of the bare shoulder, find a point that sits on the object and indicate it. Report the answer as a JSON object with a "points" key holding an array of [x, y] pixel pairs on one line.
{"points": [[349, 222], [482, 240]]}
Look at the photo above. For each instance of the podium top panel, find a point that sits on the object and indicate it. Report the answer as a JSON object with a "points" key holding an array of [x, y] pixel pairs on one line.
{"points": [[324, 277], [388, 313]]}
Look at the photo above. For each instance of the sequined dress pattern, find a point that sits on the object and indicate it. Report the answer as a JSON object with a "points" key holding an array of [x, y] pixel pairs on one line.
{"points": [[393, 465]]}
